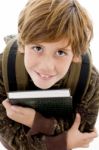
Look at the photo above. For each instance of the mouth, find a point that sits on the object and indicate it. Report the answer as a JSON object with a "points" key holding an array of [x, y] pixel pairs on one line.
{"points": [[44, 76]]}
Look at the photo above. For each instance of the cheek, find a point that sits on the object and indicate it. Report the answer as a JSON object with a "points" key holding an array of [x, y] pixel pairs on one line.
{"points": [[63, 67], [28, 61]]}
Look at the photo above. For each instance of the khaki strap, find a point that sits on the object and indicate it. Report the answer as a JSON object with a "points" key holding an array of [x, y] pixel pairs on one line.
{"points": [[21, 74]]}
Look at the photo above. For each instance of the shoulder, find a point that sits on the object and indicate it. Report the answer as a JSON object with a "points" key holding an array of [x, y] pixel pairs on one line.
{"points": [[1, 64], [94, 83], [93, 86], [9, 38], [94, 78], [2, 87]]}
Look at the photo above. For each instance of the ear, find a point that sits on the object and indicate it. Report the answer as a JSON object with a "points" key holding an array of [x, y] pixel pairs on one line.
{"points": [[76, 59]]}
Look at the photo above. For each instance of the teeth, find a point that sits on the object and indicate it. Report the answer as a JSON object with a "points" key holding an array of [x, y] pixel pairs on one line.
{"points": [[44, 76]]}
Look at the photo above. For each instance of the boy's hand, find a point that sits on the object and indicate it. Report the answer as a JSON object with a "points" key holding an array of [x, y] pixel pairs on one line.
{"points": [[77, 139], [30, 118], [19, 114]]}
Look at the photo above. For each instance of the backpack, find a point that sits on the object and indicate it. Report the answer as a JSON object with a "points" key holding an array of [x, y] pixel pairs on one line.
{"points": [[16, 78]]}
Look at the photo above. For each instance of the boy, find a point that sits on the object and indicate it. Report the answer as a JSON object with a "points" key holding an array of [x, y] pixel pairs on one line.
{"points": [[53, 35]]}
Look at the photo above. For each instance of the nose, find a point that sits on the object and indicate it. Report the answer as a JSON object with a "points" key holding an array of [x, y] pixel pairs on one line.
{"points": [[47, 65]]}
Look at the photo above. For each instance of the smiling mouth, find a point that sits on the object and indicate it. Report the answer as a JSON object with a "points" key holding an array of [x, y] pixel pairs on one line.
{"points": [[43, 76]]}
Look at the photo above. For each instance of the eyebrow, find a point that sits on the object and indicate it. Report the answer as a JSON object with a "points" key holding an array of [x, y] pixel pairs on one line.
{"points": [[63, 48]]}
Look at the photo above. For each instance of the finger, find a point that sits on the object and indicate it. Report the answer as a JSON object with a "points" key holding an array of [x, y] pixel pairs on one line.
{"points": [[91, 135], [89, 140], [86, 146], [6, 103], [95, 130], [77, 121], [11, 109], [18, 109], [21, 110]]}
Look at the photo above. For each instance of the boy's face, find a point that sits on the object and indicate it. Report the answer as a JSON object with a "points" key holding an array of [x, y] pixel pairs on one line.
{"points": [[47, 63]]}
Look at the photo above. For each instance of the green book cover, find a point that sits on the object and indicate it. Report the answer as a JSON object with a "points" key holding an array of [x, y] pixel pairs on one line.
{"points": [[50, 103]]}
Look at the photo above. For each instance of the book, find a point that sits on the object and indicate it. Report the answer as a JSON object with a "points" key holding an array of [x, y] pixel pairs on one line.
{"points": [[50, 103]]}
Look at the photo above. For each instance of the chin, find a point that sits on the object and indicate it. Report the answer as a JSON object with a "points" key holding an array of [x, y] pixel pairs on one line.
{"points": [[43, 86]]}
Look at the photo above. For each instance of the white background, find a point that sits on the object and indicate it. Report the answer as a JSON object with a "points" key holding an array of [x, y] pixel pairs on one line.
{"points": [[9, 11]]}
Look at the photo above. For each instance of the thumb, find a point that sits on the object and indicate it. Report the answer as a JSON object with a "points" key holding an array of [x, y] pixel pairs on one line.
{"points": [[6, 103], [77, 121]]}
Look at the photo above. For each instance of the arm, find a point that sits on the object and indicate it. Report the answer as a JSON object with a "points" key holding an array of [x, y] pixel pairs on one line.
{"points": [[14, 134], [89, 106], [73, 138]]}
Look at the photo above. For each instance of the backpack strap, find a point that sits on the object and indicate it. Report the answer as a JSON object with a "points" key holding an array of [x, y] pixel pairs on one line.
{"points": [[11, 68], [14, 74], [84, 78]]}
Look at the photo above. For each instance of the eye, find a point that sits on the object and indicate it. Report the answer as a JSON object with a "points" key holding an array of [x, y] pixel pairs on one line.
{"points": [[61, 53], [37, 49]]}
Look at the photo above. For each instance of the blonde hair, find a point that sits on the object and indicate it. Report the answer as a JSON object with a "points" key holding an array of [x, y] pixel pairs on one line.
{"points": [[51, 20]]}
